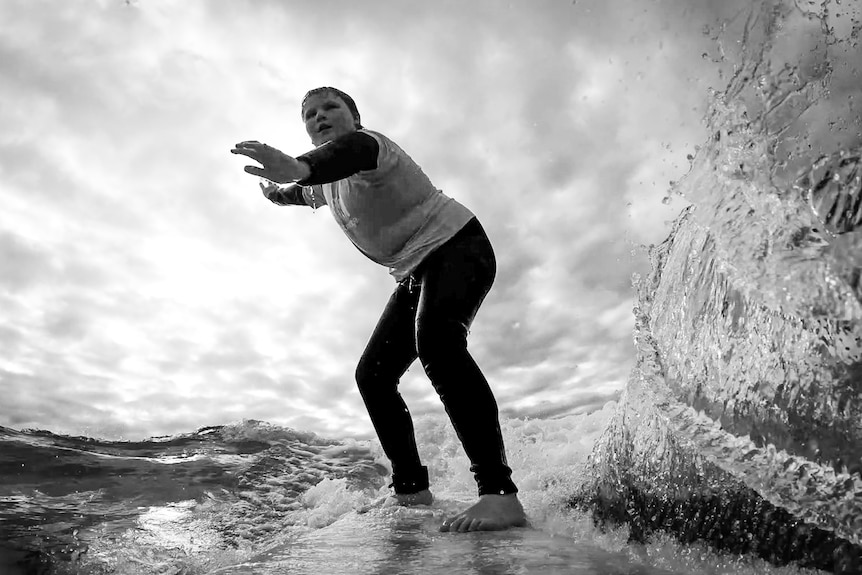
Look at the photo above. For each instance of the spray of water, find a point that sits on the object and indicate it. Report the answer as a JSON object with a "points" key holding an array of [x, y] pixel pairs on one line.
{"points": [[741, 422]]}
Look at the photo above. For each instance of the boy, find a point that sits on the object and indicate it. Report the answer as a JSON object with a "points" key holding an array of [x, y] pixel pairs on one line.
{"points": [[444, 264]]}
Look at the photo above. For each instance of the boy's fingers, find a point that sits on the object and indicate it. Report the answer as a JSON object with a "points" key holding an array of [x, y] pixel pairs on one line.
{"points": [[255, 171], [253, 154], [251, 149]]}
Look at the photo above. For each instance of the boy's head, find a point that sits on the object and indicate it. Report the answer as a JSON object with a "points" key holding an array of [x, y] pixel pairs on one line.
{"points": [[329, 113]]}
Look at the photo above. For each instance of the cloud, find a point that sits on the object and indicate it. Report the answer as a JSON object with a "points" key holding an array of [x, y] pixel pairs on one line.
{"points": [[586, 403], [23, 264], [33, 402], [147, 273]]}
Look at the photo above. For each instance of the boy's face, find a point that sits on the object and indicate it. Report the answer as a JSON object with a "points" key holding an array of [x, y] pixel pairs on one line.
{"points": [[327, 117]]}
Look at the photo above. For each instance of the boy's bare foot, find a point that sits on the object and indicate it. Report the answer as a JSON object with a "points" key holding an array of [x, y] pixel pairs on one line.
{"points": [[491, 513]]}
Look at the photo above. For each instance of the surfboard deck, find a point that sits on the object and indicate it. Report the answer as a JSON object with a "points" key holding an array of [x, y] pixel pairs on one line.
{"points": [[392, 540]]}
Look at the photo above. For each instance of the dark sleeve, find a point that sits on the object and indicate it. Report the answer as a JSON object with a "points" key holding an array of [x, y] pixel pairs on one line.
{"points": [[341, 158], [292, 195]]}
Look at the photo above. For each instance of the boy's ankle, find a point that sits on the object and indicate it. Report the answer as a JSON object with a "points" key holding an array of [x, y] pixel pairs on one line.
{"points": [[423, 497]]}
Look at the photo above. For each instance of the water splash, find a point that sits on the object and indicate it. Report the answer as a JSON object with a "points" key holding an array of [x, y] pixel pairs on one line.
{"points": [[748, 390]]}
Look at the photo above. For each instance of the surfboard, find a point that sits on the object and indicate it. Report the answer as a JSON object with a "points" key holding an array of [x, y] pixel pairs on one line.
{"points": [[381, 538], [392, 540]]}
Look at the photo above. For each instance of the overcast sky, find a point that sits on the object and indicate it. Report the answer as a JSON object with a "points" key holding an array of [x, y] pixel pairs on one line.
{"points": [[147, 287]]}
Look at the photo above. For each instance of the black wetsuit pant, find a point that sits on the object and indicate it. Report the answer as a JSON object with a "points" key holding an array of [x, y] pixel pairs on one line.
{"points": [[428, 316]]}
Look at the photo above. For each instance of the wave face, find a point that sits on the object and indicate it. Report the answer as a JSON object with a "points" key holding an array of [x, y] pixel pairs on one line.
{"points": [[81, 505], [742, 422]]}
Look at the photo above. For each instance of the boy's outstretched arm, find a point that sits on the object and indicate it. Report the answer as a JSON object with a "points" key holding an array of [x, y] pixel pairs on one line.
{"points": [[330, 162]]}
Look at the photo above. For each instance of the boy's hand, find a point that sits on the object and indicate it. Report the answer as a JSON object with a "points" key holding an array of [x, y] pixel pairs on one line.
{"points": [[277, 166], [268, 189]]}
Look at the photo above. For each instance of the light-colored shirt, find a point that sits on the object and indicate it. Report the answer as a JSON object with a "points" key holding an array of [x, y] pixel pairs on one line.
{"points": [[393, 213]]}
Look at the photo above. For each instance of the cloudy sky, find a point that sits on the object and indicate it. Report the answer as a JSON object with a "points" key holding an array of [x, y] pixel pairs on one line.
{"points": [[147, 287]]}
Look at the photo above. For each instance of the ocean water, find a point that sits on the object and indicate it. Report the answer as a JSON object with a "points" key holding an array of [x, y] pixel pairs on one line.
{"points": [[753, 309], [215, 501]]}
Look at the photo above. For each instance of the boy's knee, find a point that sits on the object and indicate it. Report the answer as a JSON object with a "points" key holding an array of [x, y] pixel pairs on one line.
{"points": [[364, 375], [375, 376]]}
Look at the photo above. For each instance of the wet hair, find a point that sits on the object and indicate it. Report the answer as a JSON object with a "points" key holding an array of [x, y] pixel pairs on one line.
{"points": [[351, 105]]}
